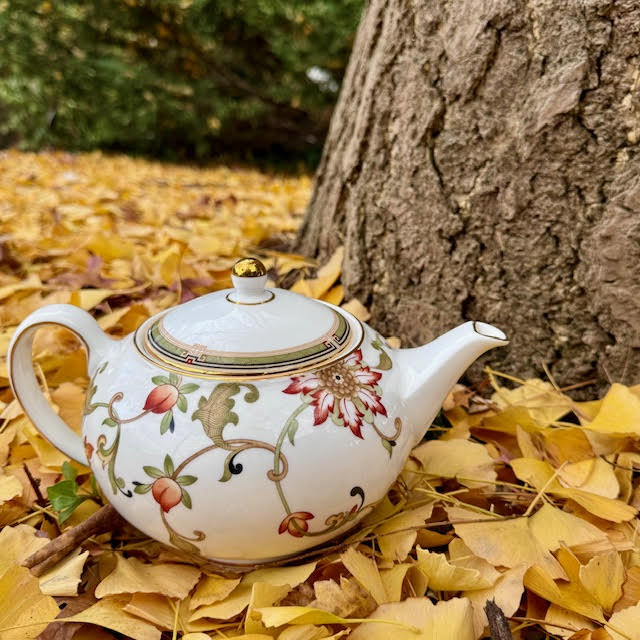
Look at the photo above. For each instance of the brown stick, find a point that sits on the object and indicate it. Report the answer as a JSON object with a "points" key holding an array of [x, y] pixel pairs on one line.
{"points": [[498, 624], [105, 519], [35, 485]]}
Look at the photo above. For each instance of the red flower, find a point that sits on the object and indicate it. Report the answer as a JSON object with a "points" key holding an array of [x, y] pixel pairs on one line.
{"points": [[347, 389], [166, 492], [296, 523], [162, 398]]}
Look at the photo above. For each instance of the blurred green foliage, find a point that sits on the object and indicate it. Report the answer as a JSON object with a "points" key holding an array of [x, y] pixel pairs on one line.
{"points": [[172, 78]]}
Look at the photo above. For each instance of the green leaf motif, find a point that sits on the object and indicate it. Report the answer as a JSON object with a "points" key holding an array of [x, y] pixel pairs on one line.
{"points": [[165, 424], [186, 480], [120, 482], [160, 380], [186, 500], [168, 465], [153, 472], [181, 543], [216, 413], [141, 488], [182, 403], [385, 363], [110, 422], [226, 476], [387, 445], [174, 379], [190, 387], [291, 431]]}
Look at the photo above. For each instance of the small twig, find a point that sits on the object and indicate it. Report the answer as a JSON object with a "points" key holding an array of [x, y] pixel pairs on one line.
{"points": [[35, 485], [105, 519], [498, 624]]}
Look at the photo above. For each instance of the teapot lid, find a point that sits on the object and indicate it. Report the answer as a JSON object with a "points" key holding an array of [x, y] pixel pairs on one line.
{"points": [[248, 331]]}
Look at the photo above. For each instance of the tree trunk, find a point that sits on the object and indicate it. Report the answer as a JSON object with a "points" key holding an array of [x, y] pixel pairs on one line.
{"points": [[482, 164]]}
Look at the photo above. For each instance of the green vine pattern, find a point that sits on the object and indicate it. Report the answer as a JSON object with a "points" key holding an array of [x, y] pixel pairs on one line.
{"points": [[349, 389]]}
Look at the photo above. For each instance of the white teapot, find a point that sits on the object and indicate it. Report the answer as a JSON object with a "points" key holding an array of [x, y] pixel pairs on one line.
{"points": [[249, 424]]}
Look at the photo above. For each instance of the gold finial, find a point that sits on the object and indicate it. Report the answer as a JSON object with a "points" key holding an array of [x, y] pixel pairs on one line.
{"points": [[248, 268]]}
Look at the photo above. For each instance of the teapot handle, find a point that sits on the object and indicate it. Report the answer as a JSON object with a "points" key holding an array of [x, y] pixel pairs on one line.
{"points": [[23, 380]]}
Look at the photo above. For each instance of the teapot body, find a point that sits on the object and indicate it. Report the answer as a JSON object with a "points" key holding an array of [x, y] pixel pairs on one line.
{"points": [[246, 471]]}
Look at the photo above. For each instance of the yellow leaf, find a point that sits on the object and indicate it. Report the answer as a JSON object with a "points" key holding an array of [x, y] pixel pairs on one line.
{"points": [[30, 283], [133, 576], [461, 556], [552, 527], [539, 474], [392, 580], [630, 590], [10, 487], [453, 458], [365, 571], [356, 308], [109, 613], [567, 445], [327, 275], [212, 589], [109, 247], [623, 625], [595, 476], [24, 611], [509, 420], [69, 397], [64, 577], [602, 577], [153, 608], [505, 543], [240, 597], [543, 402], [446, 620], [17, 544], [556, 615], [262, 595], [347, 599], [444, 576], [89, 298], [305, 632], [396, 546], [334, 295], [619, 413], [569, 596], [506, 591]]}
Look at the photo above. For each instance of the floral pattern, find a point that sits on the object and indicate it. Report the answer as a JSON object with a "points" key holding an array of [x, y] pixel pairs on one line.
{"points": [[348, 391], [296, 523]]}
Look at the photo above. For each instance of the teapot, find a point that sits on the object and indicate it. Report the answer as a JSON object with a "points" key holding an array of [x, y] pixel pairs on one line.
{"points": [[249, 424]]}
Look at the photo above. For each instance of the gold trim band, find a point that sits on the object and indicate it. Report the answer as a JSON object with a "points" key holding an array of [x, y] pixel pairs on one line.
{"points": [[250, 304]]}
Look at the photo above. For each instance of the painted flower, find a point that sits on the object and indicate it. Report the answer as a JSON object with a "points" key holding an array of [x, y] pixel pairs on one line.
{"points": [[167, 394], [166, 492], [162, 398], [296, 523], [167, 489], [347, 390]]}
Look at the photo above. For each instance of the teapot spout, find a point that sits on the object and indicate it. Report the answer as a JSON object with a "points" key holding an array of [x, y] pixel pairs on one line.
{"points": [[431, 370]]}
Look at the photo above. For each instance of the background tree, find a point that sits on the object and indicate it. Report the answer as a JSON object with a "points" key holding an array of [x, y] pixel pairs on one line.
{"points": [[173, 78], [482, 163]]}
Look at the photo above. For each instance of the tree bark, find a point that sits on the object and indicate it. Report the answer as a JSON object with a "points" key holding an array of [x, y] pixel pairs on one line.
{"points": [[482, 164]]}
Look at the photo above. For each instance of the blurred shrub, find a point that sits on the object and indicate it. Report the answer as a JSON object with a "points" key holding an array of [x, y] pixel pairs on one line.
{"points": [[172, 78]]}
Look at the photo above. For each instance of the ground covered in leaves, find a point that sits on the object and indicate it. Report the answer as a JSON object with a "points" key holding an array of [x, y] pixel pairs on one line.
{"points": [[521, 495]]}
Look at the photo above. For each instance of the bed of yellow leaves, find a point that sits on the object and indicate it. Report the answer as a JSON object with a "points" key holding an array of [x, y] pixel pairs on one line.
{"points": [[527, 497]]}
